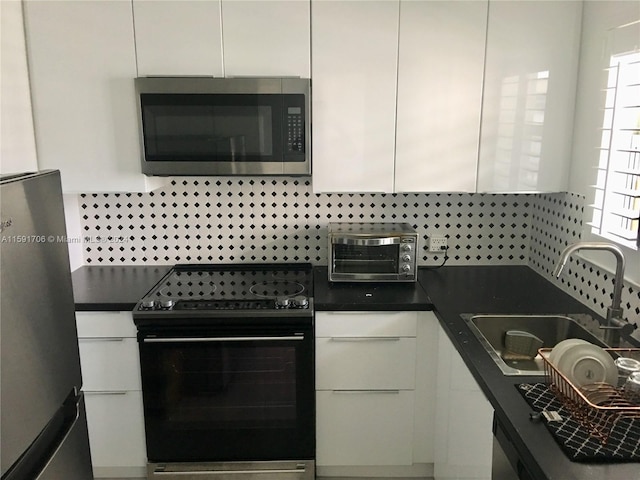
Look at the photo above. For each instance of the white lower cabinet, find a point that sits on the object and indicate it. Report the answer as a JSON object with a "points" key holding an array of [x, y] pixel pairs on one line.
{"points": [[365, 363], [371, 416], [116, 433], [113, 393], [364, 427], [464, 416]]}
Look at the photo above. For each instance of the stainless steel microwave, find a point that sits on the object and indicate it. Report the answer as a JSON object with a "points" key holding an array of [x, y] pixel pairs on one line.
{"points": [[224, 126], [372, 252]]}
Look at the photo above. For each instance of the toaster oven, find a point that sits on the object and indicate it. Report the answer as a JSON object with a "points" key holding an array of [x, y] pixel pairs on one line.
{"points": [[372, 252]]}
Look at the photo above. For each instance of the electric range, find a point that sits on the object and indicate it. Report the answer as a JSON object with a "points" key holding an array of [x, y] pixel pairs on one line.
{"points": [[227, 367]]}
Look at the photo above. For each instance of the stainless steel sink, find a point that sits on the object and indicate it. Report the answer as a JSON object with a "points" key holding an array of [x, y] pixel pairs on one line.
{"points": [[551, 329]]}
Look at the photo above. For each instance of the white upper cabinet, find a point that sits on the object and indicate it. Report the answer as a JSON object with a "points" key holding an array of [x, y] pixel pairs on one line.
{"points": [[178, 37], [529, 96], [267, 38], [82, 65], [354, 67], [440, 69], [223, 38]]}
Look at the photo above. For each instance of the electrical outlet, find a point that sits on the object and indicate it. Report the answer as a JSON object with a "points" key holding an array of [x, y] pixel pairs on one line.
{"points": [[437, 243]]}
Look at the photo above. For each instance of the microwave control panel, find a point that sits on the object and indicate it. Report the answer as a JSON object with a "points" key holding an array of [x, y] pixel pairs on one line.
{"points": [[295, 129]]}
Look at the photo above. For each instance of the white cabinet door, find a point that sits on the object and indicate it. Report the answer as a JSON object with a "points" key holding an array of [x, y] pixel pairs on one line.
{"points": [[440, 70], [116, 430], [361, 363], [178, 37], [82, 65], [105, 324], [111, 381], [463, 419], [364, 428], [529, 95], [267, 38], [109, 364], [354, 64], [366, 324], [424, 419]]}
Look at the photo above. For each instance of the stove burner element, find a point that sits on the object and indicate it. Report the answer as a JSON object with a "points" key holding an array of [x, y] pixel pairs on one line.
{"points": [[276, 288]]}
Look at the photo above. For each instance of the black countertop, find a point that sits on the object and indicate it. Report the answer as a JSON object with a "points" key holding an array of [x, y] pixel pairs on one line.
{"points": [[113, 288], [104, 288], [512, 289], [449, 291], [366, 296]]}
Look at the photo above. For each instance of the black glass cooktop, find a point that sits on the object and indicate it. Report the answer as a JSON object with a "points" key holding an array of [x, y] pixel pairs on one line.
{"points": [[203, 288]]}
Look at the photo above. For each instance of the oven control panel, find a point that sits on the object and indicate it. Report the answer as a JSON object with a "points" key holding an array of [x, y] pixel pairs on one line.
{"points": [[279, 303]]}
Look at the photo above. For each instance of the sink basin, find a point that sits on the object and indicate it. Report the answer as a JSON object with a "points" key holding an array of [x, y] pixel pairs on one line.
{"points": [[551, 329]]}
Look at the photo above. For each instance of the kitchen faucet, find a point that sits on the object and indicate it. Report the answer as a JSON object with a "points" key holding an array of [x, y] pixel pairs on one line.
{"points": [[616, 325]]}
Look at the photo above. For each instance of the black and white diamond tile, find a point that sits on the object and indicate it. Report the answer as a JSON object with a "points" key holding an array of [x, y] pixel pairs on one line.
{"points": [[277, 220], [556, 223], [258, 219]]}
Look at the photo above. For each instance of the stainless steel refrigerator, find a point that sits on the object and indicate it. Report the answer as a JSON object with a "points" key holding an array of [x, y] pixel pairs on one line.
{"points": [[44, 430]]}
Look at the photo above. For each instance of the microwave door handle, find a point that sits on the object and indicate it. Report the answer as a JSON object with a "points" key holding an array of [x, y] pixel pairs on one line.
{"points": [[369, 242]]}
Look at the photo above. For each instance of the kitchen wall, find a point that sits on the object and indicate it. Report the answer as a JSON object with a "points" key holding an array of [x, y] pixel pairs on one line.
{"points": [[18, 147], [556, 221], [199, 219], [233, 219]]}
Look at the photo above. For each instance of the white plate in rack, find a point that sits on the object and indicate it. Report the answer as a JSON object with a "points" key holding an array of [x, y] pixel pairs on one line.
{"points": [[563, 346], [584, 364]]}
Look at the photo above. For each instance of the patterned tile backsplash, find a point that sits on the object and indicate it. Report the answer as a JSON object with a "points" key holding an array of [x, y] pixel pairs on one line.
{"points": [[247, 220]]}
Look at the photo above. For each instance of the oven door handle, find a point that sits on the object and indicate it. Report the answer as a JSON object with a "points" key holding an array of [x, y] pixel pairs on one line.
{"points": [[297, 337], [367, 242], [161, 471]]}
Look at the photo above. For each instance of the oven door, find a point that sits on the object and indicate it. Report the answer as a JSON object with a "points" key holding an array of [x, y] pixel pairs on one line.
{"points": [[228, 394]]}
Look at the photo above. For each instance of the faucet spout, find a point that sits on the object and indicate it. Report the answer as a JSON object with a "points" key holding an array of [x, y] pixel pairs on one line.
{"points": [[615, 321]]}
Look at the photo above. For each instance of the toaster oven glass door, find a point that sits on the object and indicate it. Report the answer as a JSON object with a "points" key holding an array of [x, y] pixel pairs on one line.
{"points": [[366, 259]]}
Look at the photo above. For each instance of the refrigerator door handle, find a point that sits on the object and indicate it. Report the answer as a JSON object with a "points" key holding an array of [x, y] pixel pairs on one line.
{"points": [[36, 459], [72, 415]]}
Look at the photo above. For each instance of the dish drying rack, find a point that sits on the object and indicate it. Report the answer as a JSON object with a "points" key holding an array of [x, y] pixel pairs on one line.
{"points": [[611, 406]]}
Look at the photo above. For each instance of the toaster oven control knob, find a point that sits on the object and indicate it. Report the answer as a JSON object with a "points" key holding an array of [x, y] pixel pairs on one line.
{"points": [[300, 301], [406, 258], [406, 268], [282, 302], [167, 303], [148, 303], [406, 247]]}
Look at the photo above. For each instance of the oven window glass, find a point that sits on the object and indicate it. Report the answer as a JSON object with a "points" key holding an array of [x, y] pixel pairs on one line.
{"points": [[227, 399], [365, 259]]}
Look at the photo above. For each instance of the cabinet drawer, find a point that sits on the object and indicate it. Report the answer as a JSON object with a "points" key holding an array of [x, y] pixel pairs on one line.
{"points": [[109, 364], [366, 324], [364, 428], [105, 324], [365, 363], [116, 429]]}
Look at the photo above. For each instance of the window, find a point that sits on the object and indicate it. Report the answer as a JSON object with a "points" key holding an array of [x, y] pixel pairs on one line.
{"points": [[616, 207]]}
